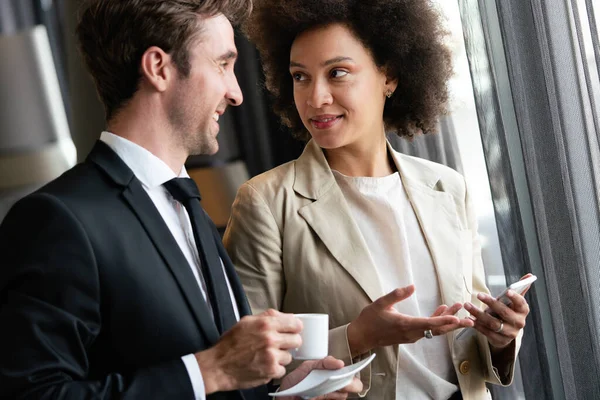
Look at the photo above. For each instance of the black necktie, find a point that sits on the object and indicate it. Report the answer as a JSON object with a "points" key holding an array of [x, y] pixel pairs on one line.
{"points": [[186, 192]]}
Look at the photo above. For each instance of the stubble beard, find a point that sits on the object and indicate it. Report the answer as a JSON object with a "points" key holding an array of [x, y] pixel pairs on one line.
{"points": [[200, 142], [194, 136]]}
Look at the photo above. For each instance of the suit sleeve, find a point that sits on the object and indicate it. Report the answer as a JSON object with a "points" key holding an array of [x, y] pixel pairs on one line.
{"points": [[496, 374], [50, 314]]}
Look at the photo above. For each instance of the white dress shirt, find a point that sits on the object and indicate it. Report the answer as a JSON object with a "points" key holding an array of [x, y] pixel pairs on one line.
{"points": [[152, 172], [397, 247]]}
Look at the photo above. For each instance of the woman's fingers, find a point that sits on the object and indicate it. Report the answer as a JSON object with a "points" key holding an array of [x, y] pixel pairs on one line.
{"points": [[514, 315], [483, 318], [498, 332], [456, 307], [394, 297], [440, 310], [422, 323], [447, 310]]}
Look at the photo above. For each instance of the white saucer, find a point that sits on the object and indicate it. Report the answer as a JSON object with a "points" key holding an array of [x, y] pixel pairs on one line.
{"points": [[319, 381]]}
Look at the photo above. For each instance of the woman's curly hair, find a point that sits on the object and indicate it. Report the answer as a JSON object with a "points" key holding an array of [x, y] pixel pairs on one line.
{"points": [[405, 38]]}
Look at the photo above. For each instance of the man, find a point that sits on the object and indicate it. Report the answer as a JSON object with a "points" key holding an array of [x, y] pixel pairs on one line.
{"points": [[114, 283]]}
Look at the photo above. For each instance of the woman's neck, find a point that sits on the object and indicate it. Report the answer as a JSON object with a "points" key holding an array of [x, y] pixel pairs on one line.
{"points": [[370, 159]]}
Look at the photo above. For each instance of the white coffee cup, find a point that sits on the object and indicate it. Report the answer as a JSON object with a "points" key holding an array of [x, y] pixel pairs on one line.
{"points": [[315, 337]]}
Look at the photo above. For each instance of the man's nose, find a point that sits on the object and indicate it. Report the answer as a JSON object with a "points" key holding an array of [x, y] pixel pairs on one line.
{"points": [[234, 94]]}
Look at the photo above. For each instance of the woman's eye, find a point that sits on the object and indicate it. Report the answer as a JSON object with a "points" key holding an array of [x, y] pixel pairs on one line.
{"points": [[298, 77], [338, 73]]}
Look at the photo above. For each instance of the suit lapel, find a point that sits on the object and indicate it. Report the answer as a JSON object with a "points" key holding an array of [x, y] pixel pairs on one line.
{"points": [[164, 242], [436, 213], [330, 217], [141, 204]]}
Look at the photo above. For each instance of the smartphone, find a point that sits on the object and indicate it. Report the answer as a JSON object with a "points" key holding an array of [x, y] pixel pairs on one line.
{"points": [[519, 287]]}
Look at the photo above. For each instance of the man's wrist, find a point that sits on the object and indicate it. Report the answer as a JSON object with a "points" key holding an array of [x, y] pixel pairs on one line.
{"points": [[215, 379]]}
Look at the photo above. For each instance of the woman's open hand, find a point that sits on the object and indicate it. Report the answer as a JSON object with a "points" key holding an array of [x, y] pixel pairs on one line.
{"points": [[380, 324]]}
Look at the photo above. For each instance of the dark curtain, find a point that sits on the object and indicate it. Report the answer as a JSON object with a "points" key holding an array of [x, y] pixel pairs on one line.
{"points": [[440, 147], [535, 73]]}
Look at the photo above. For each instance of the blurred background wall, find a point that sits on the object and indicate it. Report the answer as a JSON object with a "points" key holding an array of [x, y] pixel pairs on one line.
{"points": [[35, 139]]}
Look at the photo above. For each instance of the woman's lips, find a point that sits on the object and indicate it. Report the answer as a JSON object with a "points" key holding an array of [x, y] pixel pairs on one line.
{"points": [[325, 121]]}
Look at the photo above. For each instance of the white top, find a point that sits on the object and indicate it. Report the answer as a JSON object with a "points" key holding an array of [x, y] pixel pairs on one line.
{"points": [[389, 226], [152, 172]]}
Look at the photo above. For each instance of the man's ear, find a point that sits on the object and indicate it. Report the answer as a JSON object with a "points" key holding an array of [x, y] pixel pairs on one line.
{"points": [[156, 68]]}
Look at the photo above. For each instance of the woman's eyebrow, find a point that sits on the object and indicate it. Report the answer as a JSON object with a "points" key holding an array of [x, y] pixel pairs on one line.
{"points": [[323, 64]]}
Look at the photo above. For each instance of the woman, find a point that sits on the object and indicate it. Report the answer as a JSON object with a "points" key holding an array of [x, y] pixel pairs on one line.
{"points": [[351, 219]]}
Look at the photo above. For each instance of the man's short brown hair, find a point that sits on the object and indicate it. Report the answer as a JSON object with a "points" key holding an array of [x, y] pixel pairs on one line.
{"points": [[114, 34]]}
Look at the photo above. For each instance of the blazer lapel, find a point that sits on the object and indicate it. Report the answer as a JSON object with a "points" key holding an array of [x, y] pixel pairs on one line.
{"points": [[141, 204], [436, 213], [330, 217]]}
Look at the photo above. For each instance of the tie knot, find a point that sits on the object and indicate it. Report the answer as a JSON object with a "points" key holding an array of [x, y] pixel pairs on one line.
{"points": [[183, 189]]}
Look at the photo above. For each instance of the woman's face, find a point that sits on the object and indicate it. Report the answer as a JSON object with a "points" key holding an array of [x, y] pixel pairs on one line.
{"points": [[338, 90]]}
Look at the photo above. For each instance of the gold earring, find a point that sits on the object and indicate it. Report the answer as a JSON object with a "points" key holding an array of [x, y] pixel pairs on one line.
{"points": [[389, 94]]}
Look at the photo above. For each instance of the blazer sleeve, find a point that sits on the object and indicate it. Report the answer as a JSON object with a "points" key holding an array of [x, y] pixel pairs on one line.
{"points": [[495, 373], [50, 313], [253, 241]]}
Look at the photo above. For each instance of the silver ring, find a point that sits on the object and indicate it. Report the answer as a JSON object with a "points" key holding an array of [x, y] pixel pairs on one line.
{"points": [[499, 330], [428, 334]]}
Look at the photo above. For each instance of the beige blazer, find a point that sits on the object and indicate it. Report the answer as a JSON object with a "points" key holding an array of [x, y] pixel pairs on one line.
{"points": [[297, 249]]}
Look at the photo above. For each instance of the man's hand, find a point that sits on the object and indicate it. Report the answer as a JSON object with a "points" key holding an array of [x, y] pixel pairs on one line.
{"points": [[327, 363], [252, 353]]}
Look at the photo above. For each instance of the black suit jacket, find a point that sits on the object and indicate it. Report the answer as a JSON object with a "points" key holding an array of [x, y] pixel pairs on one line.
{"points": [[96, 298]]}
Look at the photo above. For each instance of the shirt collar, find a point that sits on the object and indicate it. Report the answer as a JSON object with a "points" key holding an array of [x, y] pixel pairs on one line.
{"points": [[149, 169]]}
